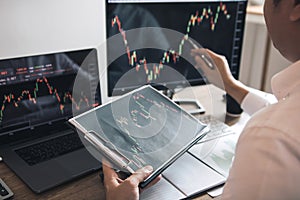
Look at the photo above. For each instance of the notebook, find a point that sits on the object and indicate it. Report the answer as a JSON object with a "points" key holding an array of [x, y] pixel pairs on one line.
{"points": [[143, 127], [38, 94]]}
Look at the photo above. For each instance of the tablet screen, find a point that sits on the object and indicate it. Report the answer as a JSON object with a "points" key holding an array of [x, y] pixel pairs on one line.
{"points": [[141, 128]]}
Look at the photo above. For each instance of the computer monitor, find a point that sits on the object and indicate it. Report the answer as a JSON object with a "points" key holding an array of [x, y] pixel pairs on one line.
{"points": [[42, 89], [215, 24]]}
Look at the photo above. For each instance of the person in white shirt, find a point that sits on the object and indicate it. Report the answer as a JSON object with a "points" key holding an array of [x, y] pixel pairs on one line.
{"points": [[267, 160]]}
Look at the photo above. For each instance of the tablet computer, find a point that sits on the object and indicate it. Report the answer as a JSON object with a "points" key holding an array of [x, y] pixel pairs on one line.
{"points": [[143, 127]]}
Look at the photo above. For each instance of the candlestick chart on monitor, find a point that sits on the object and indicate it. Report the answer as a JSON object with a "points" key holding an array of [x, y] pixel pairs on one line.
{"points": [[36, 89], [217, 25]]}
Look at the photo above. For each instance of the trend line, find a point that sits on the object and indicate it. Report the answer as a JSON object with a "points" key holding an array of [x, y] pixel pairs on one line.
{"points": [[170, 55]]}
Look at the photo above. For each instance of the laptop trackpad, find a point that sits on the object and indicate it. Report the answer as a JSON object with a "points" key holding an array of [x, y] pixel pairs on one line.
{"points": [[79, 162]]}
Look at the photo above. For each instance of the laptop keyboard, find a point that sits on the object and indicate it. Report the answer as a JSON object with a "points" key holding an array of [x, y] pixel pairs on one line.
{"points": [[58, 146], [217, 128], [49, 149]]}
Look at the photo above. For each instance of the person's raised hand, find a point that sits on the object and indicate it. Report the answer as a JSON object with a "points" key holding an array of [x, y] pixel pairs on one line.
{"points": [[214, 66], [220, 75]]}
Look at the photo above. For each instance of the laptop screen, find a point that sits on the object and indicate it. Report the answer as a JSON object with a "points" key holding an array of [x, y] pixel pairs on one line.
{"points": [[41, 89]]}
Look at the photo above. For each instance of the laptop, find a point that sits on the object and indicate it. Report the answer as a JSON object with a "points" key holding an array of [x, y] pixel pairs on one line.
{"points": [[38, 94]]}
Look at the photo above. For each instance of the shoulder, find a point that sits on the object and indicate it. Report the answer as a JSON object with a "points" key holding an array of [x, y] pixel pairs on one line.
{"points": [[267, 158], [279, 119]]}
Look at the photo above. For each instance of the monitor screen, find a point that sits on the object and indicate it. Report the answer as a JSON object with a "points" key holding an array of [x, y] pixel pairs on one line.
{"points": [[39, 89], [217, 25]]}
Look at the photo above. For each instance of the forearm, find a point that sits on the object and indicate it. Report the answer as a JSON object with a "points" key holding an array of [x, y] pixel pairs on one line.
{"points": [[236, 90], [251, 100]]}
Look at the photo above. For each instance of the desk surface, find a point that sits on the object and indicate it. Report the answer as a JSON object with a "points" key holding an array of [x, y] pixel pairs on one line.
{"points": [[89, 187]]}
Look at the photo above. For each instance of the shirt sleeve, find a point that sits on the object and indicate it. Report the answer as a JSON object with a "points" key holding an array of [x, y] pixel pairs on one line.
{"points": [[256, 100], [259, 171]]}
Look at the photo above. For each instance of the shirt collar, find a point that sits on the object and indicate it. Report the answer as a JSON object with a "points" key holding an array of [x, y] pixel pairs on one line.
{"points": [[283, 82]]}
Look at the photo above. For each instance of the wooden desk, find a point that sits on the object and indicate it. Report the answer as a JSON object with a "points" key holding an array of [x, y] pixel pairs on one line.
{"points": [[90, 187]]}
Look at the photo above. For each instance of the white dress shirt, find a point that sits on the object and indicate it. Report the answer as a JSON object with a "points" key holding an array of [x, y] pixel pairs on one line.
{"points": [[256, 100], [267, 160]]}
